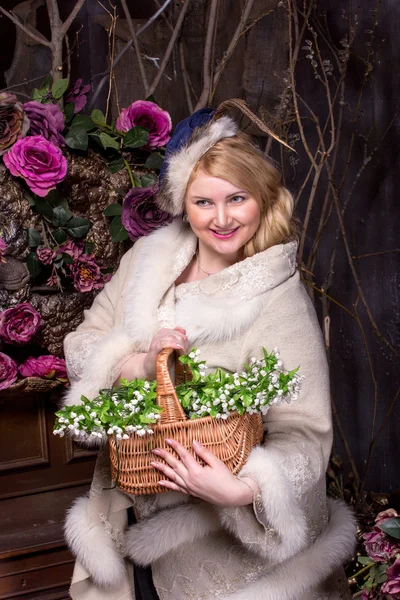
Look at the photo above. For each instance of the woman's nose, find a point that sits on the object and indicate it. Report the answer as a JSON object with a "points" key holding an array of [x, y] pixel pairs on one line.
{"points": [[222, 217]]}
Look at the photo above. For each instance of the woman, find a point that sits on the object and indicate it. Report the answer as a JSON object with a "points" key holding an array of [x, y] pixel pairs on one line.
{"points": [[223, 278]]}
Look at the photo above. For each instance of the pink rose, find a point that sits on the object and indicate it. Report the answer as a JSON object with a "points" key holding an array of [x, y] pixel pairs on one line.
{"points": [[38, 161], [8, 371], [47, 366], [19, 323], [45, 255], [72, 248], [86, 274], [77, 94], [148, 115]]}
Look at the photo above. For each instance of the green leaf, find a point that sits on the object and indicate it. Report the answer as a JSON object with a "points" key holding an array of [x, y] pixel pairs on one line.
{"points": [[67, 259], [89, 247], [116, 165], [136, 137], [59, 88], [44, 208], [117, 230], [45, 85], [365, 560], [77, 138], [29, 197], [83, 121], [33, 265], [108, 141], [37, 95], [60, 216], [149, 179], [112, 210], [98, 117], [34, 237], [78, 227], [57, 199], [154, 161], [391, 527], [69, 111], [60, 236]]}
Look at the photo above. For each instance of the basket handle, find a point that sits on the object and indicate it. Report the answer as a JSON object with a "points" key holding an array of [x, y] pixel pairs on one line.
{"points": [[166, 394]]}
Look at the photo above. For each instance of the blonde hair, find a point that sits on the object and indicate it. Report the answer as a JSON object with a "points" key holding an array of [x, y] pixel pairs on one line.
{"points": [[238, 161]]}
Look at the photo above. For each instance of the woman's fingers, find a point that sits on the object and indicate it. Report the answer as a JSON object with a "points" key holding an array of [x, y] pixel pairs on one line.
{"points": [[170, 473], [184, 455], [172, 486]]}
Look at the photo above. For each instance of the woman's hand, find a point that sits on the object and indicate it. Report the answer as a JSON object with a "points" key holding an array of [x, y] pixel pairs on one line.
{"points": [[165, 338], [143, 366], [213, 482]]}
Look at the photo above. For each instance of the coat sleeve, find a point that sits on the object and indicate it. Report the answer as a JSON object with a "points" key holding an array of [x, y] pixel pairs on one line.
{"points": [[289, 467], [95, 352]]}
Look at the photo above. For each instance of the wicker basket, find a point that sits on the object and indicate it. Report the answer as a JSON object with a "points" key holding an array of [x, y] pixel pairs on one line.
{"points": [[231, 439]]}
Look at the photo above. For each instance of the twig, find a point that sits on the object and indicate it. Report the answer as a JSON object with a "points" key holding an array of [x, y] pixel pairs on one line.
{"points": [[185, 77], [125, 49], [170, 47], [68, 22], [207, 57], [231, 48], [37, 36], [375, 253], [136, 46]]}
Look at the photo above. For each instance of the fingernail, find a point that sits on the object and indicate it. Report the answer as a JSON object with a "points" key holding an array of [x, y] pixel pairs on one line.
{"points": [[169, 441], [161, 483], [179, 346], [197, 444], [153, 464], [157, 451]]}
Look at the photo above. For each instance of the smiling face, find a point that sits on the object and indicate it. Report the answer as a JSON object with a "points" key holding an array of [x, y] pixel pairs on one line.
{"points": [[222, 215]]}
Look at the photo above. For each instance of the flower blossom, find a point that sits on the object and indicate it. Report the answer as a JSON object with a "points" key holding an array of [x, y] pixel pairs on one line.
{"points": [[150, 116]]}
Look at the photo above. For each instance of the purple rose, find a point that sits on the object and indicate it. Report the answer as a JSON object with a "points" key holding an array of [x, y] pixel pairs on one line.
{"points": [[47, 366], [140, 213], [8, 371], [392, 584], [45, 255], [14, 123], [378, 546], [46, 120], [143, 113], [77, 94], [3, 249], [39, 162], [19, 323], [86, 274], [74, 249]]}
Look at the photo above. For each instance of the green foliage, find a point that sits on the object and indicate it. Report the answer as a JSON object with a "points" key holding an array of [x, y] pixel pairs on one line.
{"points": [[117, 230], [391, 527], [154, 161], [59, 88], [112, 210], [77, 227], [34, 238], [33, 265], [98, 117], [136, 137], [148, 179], [77, 138]]}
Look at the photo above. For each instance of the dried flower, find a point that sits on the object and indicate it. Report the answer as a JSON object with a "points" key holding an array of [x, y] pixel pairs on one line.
{"points": [[71, 248], [8, 371], [45, 255], [392, 585], [140, 214], [46, 120], [14, 123], [77, 94], [150, 116], [86, 274], [19, 323], [48, 366], [39, 162]]}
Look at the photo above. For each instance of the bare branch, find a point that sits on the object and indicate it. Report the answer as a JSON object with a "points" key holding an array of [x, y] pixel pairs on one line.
{"points": [[208, 47], [137, 47], [170, 46], [68, 22], [37, 36]]}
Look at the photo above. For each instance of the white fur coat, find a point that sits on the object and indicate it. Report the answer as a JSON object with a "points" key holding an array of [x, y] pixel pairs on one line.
{"points": [[290, 545]]}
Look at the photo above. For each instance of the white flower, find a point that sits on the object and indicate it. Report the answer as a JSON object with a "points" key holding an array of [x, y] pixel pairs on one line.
{"points": [[97, 422], [61, 420], [141, 432], [253, 359], [71, 427], [192, 355], [280, 392], [92, 415], [87, 407], [110, 431], [150, 431], [125, 436], [279, 363], [72, 415], [216, 402]]}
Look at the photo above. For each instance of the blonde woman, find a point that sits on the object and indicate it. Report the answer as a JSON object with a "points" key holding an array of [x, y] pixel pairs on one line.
{"points": [[222, 277]]}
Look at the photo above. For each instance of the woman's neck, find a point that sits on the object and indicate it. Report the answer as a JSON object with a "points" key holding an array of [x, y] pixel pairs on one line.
{"points": [[209, 261]]}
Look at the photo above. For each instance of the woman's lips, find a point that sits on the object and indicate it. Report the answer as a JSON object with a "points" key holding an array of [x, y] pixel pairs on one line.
{"points": [[225, 236]]}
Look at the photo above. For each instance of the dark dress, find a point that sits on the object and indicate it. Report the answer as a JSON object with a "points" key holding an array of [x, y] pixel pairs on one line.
{"points": [[144, 586]]}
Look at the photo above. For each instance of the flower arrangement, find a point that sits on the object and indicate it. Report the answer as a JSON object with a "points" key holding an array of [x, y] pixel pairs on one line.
{"points": [[19, 325], [34, 140], [131, 407], [381, 566]]}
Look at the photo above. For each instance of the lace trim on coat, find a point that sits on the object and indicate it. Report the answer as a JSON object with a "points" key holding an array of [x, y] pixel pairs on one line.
{"points": [[77, 353]]}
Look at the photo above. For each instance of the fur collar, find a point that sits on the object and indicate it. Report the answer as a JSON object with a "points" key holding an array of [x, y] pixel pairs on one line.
{"points": [[213, 309]]}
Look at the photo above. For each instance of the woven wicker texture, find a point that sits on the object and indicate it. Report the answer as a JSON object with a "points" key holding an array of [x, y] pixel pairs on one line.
{"points": [[230, 440]]}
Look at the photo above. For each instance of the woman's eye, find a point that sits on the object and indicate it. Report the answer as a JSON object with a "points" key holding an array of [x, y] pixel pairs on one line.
{"points": [[237, 199], [202, 202]]}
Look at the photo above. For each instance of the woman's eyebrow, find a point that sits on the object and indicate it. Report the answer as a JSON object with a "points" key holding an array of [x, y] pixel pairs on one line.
{"points": [[228, 196]]}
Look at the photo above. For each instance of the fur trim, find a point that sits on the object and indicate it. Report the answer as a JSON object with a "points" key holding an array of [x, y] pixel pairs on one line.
{"points": [[152, 538], [306, 570], [101, 366], [171, 197], [279, 511], [92, 545]]}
